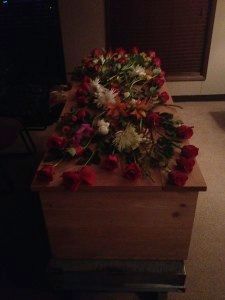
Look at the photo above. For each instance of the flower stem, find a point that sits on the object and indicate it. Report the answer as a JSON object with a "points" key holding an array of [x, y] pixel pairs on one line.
{"points": [[174, 105], [89, 159]]}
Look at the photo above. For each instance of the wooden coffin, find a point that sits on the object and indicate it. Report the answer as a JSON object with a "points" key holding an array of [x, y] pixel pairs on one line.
{"points": [[117, 219]]}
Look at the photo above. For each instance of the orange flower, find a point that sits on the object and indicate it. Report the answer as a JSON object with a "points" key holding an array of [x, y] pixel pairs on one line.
{"points": [[117, 109], [141, 107]]}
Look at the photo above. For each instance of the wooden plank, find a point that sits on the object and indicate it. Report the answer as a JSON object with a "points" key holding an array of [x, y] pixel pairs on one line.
{"points": [[119, 225]]}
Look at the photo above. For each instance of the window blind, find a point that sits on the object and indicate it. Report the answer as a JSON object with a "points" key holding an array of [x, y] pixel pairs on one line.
{"points": [[178, 30]]}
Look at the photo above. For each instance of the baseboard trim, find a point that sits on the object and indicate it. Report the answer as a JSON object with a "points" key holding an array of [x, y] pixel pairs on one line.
{"points": [[196, 98]]}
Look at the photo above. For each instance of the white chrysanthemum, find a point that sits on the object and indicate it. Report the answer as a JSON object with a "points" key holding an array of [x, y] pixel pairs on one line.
{"points": [[96, 86], [103, 127], [139, 71], [105, 97], [128, 139]]}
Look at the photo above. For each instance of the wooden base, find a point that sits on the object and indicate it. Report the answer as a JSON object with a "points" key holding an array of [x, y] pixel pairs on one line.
{"points": [[119, 225], [139, 277]]}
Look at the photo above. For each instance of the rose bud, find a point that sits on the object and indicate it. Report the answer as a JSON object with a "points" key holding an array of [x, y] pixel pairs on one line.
{"points": [[177, 178], [46, 173], [184, 132], [71, 151], [185, 164], [153, 119], [87, 175], [132, 171], [156, 71], [164, 97], [110, 163], [56, 142], [71, 180], [189, 151]]}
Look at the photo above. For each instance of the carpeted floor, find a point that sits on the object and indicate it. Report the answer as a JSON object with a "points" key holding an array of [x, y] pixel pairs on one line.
{"points": [[206, 262]]}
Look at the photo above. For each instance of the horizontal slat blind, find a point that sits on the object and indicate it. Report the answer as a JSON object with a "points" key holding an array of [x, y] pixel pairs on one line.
{"points": [[175, 29]]}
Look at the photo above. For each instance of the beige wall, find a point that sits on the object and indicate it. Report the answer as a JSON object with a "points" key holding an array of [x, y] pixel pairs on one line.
{"points": [[82, 24], [83, 28]]}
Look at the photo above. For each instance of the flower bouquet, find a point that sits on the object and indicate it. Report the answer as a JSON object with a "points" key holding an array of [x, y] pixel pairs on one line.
{"points": [[117, 122]]}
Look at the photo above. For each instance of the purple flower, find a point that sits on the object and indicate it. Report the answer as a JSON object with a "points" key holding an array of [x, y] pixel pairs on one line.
{"points": [[84, 131]]}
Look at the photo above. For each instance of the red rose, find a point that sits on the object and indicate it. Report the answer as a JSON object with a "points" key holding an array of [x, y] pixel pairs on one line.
{"points": [[189, 151], [159, 81], [81, 114], [132, 171], [56, 141], [120, 51], [122, 60], [157, 62], [87, 175], [79, 150], [164, 97], [185, 164], [46, 173], [135, 50], [71, 180], [81, 97], [66, 129], [97, 52], [184, 132], [74, 119], [110, 163], [153, 119], [177, 178], [85, 85], [151, 54]]}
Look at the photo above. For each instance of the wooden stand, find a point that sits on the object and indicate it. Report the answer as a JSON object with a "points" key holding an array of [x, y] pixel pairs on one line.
{"points": [[147, 279]]}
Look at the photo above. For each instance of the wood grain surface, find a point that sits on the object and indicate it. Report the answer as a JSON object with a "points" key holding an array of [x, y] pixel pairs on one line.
{"points": [[119, 225]]}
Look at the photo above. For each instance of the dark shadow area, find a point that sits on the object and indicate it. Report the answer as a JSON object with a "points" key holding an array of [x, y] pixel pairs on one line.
{"points": [[219, 117]]}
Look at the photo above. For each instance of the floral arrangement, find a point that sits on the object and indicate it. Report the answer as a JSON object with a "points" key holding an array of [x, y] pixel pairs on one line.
{"points": [[117, 122]]}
